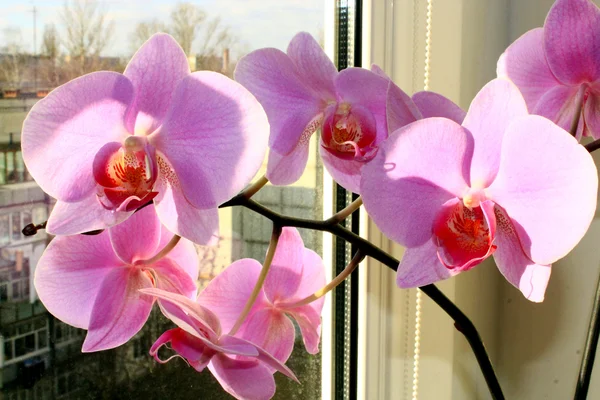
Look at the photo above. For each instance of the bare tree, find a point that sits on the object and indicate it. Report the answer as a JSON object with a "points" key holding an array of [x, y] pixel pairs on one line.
{"points": [[14, 60], [88, 31], [50, 42], [216, 40], [144, 30], [185, 19]]}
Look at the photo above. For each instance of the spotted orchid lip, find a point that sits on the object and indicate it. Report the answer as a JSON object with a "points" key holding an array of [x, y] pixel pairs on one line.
{"points": [[125, 174], [464, 235]]}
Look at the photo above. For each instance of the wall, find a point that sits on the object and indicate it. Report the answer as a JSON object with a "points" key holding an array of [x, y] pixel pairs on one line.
{"points": [[536, 348]]}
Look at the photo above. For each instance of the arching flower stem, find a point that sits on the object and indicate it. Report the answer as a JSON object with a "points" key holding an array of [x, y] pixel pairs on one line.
{"points": [[261, 279], [345, 212], [165, 250], [358, 257]]}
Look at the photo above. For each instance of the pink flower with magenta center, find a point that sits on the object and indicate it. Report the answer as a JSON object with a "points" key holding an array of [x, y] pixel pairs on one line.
{"points": [[93, 282], [507, 184], [106, 143], [302, 92]]}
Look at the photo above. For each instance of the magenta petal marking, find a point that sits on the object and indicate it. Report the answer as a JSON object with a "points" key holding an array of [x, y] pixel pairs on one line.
{"points": [[170, 277], [178, 214], [464, 236], [530, 278]]}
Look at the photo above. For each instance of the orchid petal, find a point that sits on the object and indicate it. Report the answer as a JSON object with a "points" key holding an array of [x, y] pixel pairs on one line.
{"points": [[313, 279], [287, 169], [120, 310], [401, 109], [82, 216], [572, 41], [195, 352], [431, 104], [547, 183], [559, 105], [63, 132], [138, 237], [262, 356], [82, 261], [290, 105], [524, 63], [189, 315], [243, 379], [494, 107], [363, 88], [419, 168], [227, 294], [344, 172], [214, 137], [155, 71], [530, 278], [271, 330], [170, 277], [285, 274], [309, 321], [313, 66], [184, 254], [420, 266], [178, 214]]}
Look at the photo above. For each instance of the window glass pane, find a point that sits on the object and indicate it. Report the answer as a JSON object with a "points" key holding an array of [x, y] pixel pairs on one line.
{"points": [[228, 30], [10, 167]]}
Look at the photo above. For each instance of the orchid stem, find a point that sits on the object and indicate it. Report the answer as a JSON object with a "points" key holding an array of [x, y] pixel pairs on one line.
{"points": [[358, 257], [345, 212], [255, 187], [165, 250], [261, 279]]}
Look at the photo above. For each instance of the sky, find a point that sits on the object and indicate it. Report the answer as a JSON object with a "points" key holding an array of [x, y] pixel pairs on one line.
{"points": [[257, 23]]}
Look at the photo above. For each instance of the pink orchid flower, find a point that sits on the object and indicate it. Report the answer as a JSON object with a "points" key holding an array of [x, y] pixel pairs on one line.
{"points": [[106, 143], [301, 92], [557, 67], [92, 282], [505, 183], [296, 272], [243, 369]]}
